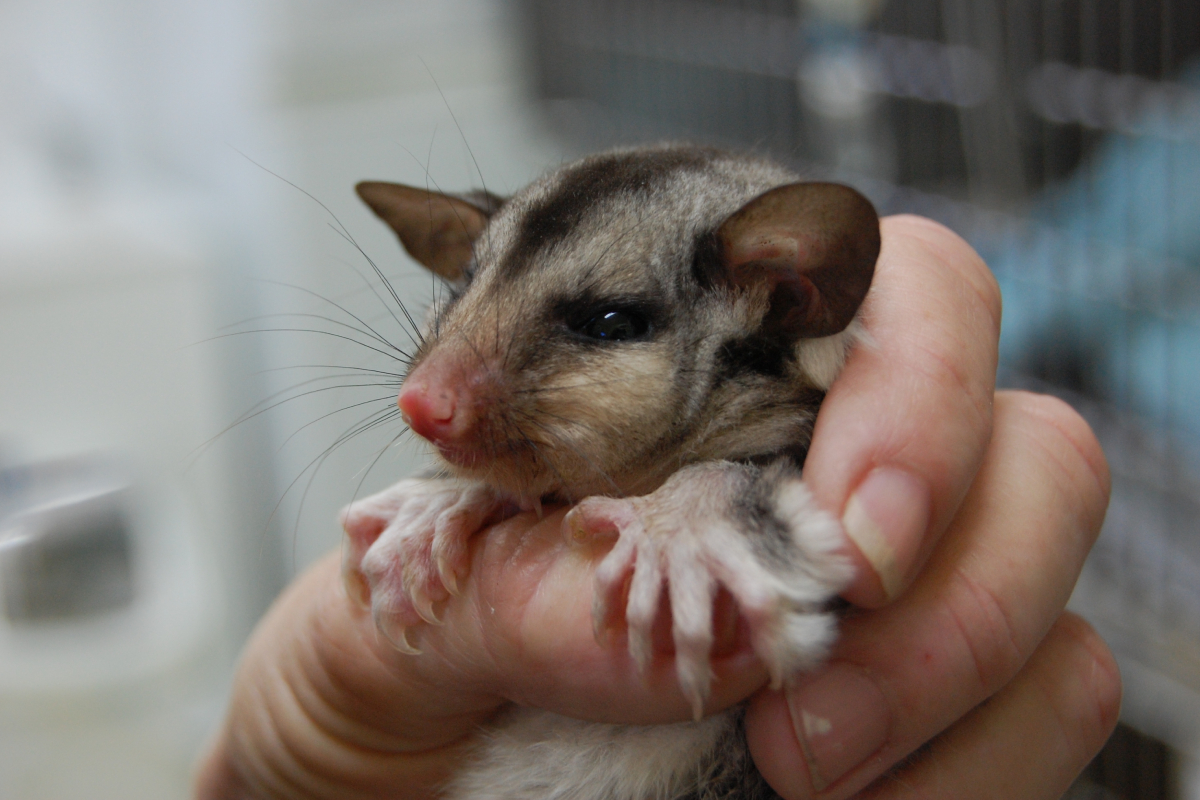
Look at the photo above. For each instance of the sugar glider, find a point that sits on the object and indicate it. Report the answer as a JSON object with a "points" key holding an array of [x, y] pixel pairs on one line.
{"points": [[647, 334]]}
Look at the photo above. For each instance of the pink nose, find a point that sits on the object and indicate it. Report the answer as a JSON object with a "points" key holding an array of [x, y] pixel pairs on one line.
{"points": [[429, 409]]}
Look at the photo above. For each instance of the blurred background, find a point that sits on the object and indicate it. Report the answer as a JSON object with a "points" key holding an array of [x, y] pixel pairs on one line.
{"points": [[195, 344]]}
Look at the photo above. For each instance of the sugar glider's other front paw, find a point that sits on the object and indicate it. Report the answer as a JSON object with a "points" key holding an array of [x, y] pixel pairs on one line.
{"points": [[757, 532], [405, 550]]}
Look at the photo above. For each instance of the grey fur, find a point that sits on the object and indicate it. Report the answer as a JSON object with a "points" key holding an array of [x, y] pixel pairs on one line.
{"points": [[630, 228], [705, 416]]}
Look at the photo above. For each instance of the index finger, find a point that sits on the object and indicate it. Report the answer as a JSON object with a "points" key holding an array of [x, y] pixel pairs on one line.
{"points": [[903, 429]]}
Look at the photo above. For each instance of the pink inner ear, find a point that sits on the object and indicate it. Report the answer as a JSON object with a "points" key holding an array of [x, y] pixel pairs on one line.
{"points": [[771, 256], [778, 248], [813, 245]]}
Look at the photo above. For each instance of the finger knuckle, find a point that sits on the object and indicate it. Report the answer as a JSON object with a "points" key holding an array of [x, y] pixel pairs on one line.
{"points": [[994, 645]]}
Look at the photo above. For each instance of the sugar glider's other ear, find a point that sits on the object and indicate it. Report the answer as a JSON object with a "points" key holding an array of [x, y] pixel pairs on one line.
{"points": [[436, 229], [814, 245]]}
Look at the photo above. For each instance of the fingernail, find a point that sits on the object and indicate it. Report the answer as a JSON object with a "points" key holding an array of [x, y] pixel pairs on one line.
{"points": [[886, 517], [840, 718]]}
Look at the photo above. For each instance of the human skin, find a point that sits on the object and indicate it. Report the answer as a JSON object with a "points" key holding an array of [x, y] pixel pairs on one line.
{"points": [[968, 514]]}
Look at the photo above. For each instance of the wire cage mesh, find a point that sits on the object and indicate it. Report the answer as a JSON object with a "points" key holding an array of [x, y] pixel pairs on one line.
{"points": [[1062, 139]]}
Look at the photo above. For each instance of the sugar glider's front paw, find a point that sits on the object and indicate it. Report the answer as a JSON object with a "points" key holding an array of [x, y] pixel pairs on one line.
{"points": [[756, 532], [405, 549]]}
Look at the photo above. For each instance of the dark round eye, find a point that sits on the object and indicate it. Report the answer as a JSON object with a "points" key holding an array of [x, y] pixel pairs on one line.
{"points": [[615, 326]]}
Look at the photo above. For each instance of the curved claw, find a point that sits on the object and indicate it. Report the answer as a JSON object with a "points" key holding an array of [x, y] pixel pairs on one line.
{"points": [[693, 592], [688, 539], [423, 605], [696, 688], [611, 587], [396, 634], [354, 583], [767, 643], [448, 577], [645, 590]]}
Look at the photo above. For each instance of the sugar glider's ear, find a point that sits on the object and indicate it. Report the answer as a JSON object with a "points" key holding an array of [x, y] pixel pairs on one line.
{"points": [[436, 229], [814, 245]]}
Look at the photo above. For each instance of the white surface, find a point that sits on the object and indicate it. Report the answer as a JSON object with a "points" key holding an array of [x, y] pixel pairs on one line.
{"points": [[94, 334], [131, 228], [332, 149]]}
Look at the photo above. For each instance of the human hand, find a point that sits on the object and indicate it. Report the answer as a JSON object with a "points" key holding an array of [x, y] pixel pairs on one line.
{"points": [[324, 707], [969, 643]]}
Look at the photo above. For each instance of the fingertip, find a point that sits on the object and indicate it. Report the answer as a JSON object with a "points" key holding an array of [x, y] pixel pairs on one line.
{"points": [[1063, 420], [1098, 674], [931, 238], [774, 747], [819, 730], [904, 428]]}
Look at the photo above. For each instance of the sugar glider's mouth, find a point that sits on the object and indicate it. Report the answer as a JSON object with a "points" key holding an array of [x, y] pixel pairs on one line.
{"points": [[462, 457]]}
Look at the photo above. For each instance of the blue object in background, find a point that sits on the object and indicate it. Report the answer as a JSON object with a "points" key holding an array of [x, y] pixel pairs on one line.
{"points": [[1104, 292]]}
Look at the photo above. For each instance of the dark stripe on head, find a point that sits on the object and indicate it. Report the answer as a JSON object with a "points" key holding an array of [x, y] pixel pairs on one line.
{"points": [[581, 187], [707, 269]]}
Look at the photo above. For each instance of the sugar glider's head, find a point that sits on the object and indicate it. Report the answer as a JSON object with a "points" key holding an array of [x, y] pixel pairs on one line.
{"points": [[628, 314]]}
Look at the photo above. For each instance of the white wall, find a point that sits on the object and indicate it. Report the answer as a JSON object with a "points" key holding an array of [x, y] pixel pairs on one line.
{"points": [[419, 93], [132, 229]]}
